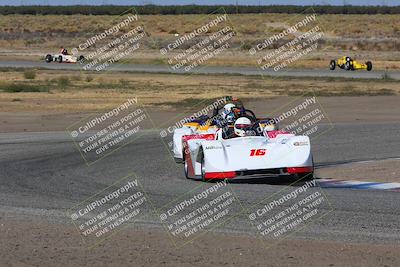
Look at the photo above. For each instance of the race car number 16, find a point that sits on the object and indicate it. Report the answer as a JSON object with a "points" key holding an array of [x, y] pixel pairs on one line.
{"points": [[257, 152]]}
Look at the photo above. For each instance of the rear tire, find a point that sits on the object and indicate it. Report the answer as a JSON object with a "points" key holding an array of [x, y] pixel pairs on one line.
{"points": [[81, 59], [332, 65], [308, 176], [369, 65], [49, 58], [305, 176], [185, 168]]}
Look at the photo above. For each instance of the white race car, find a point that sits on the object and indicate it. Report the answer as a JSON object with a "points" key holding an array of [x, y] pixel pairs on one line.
{"points": [[203, 128], [61, 58], [273, 153], [190, 130]]}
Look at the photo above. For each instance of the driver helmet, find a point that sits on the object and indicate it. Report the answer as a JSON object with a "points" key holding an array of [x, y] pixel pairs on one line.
{"points": [[228, 108], [227, 113], [242, 125]]}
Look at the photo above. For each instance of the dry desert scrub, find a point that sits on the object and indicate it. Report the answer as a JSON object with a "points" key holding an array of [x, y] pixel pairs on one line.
{"points": [[164, 90]]}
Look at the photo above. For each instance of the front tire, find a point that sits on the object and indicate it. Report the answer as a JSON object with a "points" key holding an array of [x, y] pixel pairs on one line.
{"points": [[60, 59], [185, 164], [369, 65], [81, 59], [203, 170], [185, 168]]}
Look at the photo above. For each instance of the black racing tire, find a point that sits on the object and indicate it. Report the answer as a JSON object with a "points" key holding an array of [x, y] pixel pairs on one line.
{"points": [[369, 65], [201, 157], [185, 164], [178, 161], [347, 65], [185, 168], [60, 59], [81, 59], [308, 176], [332, 65], [49, 58]]}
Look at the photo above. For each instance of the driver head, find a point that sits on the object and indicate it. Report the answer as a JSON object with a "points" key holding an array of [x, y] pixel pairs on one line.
{"points": [[242, 125], [228, 108]]}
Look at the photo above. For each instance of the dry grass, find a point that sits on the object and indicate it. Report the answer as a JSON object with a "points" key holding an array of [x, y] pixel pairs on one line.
{"points": [[110, 89], [356, 35], [255, 25]]}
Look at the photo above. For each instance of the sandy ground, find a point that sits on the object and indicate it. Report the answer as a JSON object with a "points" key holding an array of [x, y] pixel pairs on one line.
{"points": [[375, 171], [338, 109], [37, 243], [42, 243]]}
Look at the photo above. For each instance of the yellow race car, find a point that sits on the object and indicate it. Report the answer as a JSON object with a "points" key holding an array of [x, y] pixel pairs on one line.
{"points": [[347, 63]]}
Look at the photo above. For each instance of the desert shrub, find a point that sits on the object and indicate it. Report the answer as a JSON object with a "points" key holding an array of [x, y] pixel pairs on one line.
{"points": [[30, 74]]}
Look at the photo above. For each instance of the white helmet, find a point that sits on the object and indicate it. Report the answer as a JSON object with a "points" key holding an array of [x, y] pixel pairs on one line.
{"points": [[228, 109], [242, 125]]}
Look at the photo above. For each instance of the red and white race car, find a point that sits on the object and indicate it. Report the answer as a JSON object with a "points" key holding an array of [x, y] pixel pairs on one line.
{"points": [[274, 153], [208, 125], [266, 152], [61, 58]]}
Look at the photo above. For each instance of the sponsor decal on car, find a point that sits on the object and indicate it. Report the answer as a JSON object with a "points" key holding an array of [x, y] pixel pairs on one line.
{"points": [[303, 143], [213, 147]]}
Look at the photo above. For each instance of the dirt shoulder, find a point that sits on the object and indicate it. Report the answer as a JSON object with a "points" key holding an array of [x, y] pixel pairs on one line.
{"points": [[367, 171], [58, 112], [39, 243]]}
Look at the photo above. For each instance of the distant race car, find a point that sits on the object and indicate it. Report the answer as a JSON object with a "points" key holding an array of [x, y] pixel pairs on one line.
{"points": [[61, 58], [275, 153], [347, 63]]}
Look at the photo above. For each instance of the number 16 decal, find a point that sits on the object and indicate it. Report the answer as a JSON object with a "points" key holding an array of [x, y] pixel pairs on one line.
{"points": [[257, 152]]}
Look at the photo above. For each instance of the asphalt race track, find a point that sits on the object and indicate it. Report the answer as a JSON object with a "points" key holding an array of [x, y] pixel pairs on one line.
{"points": [[42, 174], [207, 70]]}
